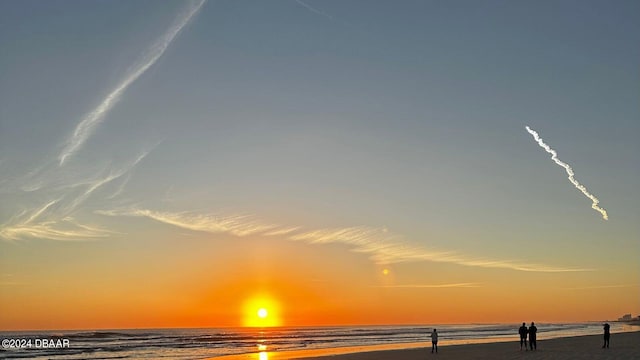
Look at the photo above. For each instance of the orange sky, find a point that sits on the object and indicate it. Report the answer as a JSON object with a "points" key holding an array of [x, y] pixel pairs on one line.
{"points": [[204, 159], [198, 285]]}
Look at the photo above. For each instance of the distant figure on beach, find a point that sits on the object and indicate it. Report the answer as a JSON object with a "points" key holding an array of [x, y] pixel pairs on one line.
{"points": [[607, 335], [434, 341], [532, 336], [523, 335]]}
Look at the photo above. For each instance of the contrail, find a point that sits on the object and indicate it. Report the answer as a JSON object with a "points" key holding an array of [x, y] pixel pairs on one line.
{"points": [[86, 127], [312, 9], [418, 286], [554, 157]]}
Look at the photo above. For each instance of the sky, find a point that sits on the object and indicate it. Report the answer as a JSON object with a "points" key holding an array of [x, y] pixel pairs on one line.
{"points": [[187, 163]]}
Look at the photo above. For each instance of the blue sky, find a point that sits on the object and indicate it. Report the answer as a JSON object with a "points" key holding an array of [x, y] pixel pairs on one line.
{"points": [[369, 122]]}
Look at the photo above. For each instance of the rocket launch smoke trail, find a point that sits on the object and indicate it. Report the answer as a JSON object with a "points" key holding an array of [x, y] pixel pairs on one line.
{"points": [[554, 157], [86, 127]]}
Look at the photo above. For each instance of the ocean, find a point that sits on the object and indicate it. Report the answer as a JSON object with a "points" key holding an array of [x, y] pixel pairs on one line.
{"points": [[212, 342]]}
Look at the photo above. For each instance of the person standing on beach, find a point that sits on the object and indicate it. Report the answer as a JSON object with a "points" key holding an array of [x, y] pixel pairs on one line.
{"points": [[532, 336], [523, 335], [607, 336], [434, 341]]}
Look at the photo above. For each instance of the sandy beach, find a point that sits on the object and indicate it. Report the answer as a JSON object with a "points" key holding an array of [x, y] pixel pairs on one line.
{"points": [[623, 346]]}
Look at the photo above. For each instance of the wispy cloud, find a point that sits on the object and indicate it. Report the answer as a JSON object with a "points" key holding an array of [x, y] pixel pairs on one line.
{"points": [[604, 287], [37, 212], [384, 247], [49, 196], [87, 125], [52, 219], [314, 10], [429, 286], [282, 231], [238, 225], [381, 245], [98, 182], [64, 230], [569, 170], [323, 14], [120, 188]]}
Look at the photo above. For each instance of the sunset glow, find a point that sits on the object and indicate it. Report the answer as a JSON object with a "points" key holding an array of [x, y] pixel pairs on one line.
{"points": [[261, 311], [262, 164]]}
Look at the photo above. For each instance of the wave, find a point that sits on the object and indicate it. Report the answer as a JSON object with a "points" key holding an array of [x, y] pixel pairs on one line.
{"points": [[107, 335], [202, 343]]}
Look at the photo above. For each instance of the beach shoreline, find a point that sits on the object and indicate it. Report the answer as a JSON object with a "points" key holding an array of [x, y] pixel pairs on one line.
{"points": [[624, 345]]}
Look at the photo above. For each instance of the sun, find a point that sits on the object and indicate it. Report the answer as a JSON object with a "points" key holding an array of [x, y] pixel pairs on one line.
{"points": [[261, 311]]}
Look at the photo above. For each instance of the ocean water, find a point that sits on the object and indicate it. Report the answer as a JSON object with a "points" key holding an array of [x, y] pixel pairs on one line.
{"points": [[207, 343]]}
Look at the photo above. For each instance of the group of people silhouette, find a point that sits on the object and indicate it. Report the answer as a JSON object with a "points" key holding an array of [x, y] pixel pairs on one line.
{"points": [[531, 331], [524, 332]]}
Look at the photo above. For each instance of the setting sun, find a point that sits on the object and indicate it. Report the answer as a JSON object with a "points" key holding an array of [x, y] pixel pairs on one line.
{"points": [[276, 180], [261, 311]]}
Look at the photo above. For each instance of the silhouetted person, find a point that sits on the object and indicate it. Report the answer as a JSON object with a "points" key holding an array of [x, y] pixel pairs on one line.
{"points": [[532, 336], [434, 341], [523, 336], [607, 335]]}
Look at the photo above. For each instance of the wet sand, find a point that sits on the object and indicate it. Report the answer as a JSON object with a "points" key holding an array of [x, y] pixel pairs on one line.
{"points": [[624, 346]]}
